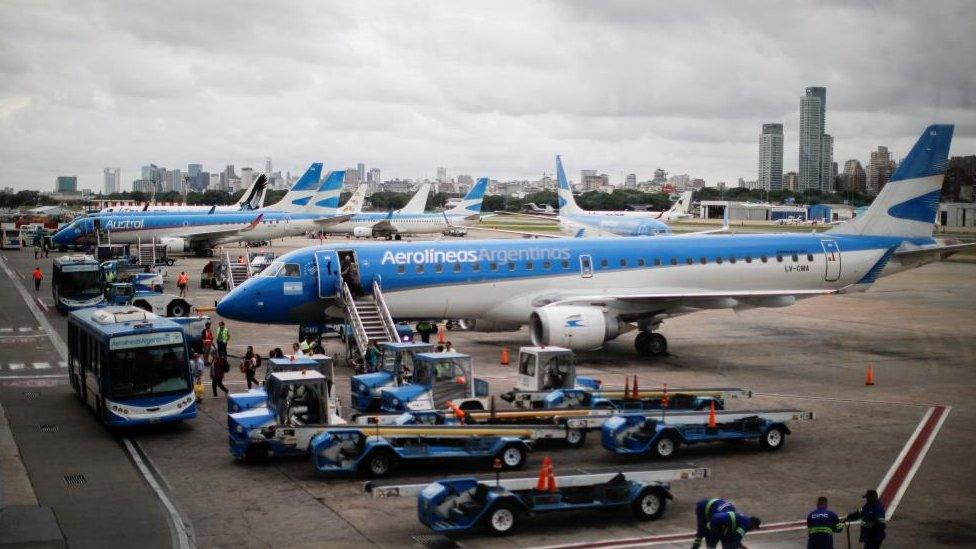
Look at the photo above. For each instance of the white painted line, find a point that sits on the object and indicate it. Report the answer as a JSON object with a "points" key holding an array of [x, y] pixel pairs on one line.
{"points": [[42, 365], [183, 539], [16, 366], [24, 329], [30, 377], [62, 364], [917, 459], [59, 345], [6, 330], [42, 304]]}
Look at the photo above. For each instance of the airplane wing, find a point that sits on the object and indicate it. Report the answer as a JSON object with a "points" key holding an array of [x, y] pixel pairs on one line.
{"points": [[209, 233], [333, 220], [526, 234], [942, 250]]}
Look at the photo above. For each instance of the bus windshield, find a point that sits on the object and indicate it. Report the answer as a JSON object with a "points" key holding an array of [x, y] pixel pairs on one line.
{"points": [[79, 284], [148, 371]]}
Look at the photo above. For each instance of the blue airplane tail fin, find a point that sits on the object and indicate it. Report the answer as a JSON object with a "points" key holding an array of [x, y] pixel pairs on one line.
{"points": [[301, 193], [567, 204], [471, 204], [908, 203], [326, 199]]}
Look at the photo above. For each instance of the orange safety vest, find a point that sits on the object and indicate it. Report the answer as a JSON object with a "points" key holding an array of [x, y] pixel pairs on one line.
{"points": [[183, 280], [37, 274]]}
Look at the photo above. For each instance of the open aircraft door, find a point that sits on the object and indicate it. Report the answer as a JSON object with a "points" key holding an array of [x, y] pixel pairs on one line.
{"points": [[832, 256], [330, 272]]}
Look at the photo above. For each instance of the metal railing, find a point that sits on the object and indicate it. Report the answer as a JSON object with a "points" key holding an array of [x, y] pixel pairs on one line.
{"points": [[359, 331], [388, 324]]}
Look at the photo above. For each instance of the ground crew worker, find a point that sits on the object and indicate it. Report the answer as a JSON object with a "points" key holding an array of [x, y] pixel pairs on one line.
{"points": [[304, 347], [425, 328], [704, 511], [729, 528], [208, 340], [822, 523], [873, 522], [37, 249], [38, 276], [372, 356], [181, 282], [109, 276], [223, 336]]}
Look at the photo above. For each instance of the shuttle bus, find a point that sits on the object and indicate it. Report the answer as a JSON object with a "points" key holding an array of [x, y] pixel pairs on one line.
{"points": [[76, 282], [130, 366], [11, 237]]}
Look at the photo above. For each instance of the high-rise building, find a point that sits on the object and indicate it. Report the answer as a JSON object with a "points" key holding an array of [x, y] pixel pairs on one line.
{"points": [[464, 183], [791, 181], [360, 173], [247, 178], [630, 181], [194, 170], [590, 180], [351, 179], [660, 176], [113, 180], [827, 167], [879, 171], [146, 186], [442, 175], [771, 157], [173, 181], [813, 109], [66, 184], [854, 178], [267, 165]]}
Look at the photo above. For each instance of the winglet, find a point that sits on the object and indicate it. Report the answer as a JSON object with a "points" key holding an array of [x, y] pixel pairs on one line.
{"points": [[212, 209], [255, 222]]}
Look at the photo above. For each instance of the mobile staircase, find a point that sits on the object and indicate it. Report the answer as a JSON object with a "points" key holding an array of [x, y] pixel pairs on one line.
{"points": [[237, 272], [368, 317]]}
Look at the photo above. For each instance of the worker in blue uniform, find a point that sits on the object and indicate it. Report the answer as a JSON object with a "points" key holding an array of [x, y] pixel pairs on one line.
{"points": [[729, 528], [704, 511], [822, 523], [873, 521]]}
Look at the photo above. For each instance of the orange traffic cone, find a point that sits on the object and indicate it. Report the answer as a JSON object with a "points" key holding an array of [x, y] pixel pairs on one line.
{"points": [[870, 378], [712, 421], [440, 335], [626, 387], [664, 397], [504, 356], [550, 479], [636, 391], [540, 485]]}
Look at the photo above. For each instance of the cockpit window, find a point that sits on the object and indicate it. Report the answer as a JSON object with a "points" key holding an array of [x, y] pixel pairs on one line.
{"points": [[291, 270], [272, 269]]}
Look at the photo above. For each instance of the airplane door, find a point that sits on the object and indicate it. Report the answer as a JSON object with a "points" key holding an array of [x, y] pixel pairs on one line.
{"points": [[586, 266], [832, 255], [327, 263]]}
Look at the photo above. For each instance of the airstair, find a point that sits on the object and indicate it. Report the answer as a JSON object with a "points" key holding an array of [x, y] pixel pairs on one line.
{"points": [[369, 317], [237, 272]]}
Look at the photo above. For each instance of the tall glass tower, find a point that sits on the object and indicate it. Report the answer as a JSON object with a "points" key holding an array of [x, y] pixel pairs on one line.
{"points": [[771, 157], [813, 107]]}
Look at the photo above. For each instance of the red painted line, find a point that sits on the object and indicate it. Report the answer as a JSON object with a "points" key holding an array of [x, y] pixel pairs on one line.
{"points": [[912, 456]]}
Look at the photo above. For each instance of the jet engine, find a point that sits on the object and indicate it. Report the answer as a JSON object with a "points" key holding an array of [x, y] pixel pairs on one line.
{"points": [[473, 325], [175, 245], [362, 232], [573, 327]]}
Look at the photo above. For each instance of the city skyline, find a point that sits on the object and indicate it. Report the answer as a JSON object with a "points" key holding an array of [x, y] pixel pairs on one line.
{"points": [[486, 94]]}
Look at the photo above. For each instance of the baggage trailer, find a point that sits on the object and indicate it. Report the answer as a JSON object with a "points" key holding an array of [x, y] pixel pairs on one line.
{"points": [[396, 365], [662, 435], [456, 505], [299, 406], [436, 379], [377, 450], [258, 396]]}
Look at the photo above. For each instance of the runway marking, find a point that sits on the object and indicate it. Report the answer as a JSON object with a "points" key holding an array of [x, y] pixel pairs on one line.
{"points": [[891, 489], [6, 330], [42, 304], [16, 365], [42, 365], [178, 527], [62, 364]]}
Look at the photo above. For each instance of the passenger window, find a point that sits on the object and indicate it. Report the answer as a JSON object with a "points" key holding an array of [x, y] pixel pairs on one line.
{"points": [[604, 263], [810, 257], [457, 267], [703, 260], [748, 259], [565, 264], [420, 268], [764, 259], [547, 265], [641, 262], [528, 265], [291, 270], [689, 261], [476, 267], [657, 261], [438, 268], [779, 258], [731, 259], [493, 266], [511, 265], [401, 269], [795, 258], [718, 260], [674, 260], [623, 262]]}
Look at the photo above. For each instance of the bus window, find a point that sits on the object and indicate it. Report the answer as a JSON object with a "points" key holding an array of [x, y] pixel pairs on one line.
{"points": [[144, 371]]}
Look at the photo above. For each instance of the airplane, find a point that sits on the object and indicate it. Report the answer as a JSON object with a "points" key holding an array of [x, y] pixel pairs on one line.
{"points": [[543, 210], [252, 199], [581, 293], [607, 223], [394, 224], [301, 211]]}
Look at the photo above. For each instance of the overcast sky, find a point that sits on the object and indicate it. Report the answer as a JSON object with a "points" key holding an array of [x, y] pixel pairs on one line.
{"points": [[484, 88]]}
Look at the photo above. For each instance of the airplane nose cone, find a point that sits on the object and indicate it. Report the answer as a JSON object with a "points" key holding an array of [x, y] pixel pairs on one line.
{"points": [[232, 306]]}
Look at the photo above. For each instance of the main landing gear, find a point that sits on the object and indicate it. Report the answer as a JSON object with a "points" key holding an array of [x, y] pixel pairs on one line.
{"points": [[651, 344]]}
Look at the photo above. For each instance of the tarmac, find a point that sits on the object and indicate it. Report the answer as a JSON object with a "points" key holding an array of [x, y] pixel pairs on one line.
{"points": [[912, 433]]}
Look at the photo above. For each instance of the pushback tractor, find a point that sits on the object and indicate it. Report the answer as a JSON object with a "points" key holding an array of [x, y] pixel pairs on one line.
{"points": [[396, 365], [437, 378], [457, 505], [258, 396]]}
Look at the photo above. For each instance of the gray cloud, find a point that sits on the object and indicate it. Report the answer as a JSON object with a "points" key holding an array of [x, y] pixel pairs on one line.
{"points": [[484, 88]]}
